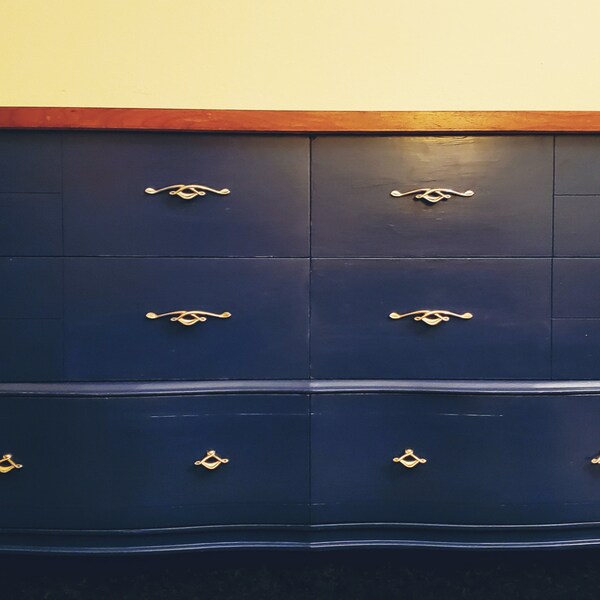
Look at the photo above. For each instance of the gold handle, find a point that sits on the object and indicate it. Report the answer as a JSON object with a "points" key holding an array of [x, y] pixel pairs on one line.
{"points": [[431, 317], [187, 191], [432, 195], [211, 461], [7, 459], [409, 459], [596, 461], [188, 317]]}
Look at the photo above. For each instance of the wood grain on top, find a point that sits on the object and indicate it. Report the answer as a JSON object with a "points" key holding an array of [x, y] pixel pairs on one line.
{"points": [[291, 121]]}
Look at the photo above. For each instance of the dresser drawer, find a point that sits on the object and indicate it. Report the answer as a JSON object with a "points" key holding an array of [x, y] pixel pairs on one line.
{"points": [[354, 337], [257, 327], [130, 462], [577, 165], [108, 212], [31, 307], [355, 214], [30, 162], [576, 226], [512, 460]]}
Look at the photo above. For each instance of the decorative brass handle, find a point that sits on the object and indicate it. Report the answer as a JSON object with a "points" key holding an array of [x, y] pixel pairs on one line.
{"points": [[596, 461], [187, 191], [211, 461], [189, 317], [409, 459], [432, 195], [431, 317], [7, 459]]}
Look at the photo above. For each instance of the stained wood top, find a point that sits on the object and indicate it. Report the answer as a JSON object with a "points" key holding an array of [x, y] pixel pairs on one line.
{"points": [[273, 121]]}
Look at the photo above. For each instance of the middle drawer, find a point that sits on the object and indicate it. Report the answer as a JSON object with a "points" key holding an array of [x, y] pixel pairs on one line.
{"points": [[461, 319], [213, 318]]}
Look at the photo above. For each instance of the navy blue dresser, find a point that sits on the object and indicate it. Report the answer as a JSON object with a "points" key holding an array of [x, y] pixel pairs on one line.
{"points": [[227, 340]]}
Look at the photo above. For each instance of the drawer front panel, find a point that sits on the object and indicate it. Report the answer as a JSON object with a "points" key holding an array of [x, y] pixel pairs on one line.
{"points": [[575, 225], [108, 335], [30, 162], [31, 330], [354, 337], [130, 463], [30, 225], [503, 460], [576, 349], [107, 211], [576, 291], [510, 213], [577, 164]]}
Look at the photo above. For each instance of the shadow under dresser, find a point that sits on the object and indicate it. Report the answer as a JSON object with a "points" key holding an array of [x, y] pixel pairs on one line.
{"points": [[297, 338]]}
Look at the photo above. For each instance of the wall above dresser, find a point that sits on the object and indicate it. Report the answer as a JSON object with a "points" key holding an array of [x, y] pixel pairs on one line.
{"points": [[298, 329]]}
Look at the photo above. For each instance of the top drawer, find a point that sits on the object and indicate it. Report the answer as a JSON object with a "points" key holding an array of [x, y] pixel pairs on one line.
{"points": [[577, 165], [108, 212], [509, 213]]}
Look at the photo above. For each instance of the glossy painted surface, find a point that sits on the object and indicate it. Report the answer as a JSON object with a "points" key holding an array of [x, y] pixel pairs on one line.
{"points": [[508, 336], [490, 461], [576, 288], [353, 213], [129, 463], [108, 336], [577, 165], [576, 348], [108, 213]]}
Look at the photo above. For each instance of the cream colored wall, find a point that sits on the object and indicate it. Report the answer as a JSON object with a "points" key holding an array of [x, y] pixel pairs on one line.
{"points": [[302, 54]]}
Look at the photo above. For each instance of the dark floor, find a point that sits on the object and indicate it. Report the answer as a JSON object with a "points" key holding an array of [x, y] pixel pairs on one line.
{"points": [[351, 575]]}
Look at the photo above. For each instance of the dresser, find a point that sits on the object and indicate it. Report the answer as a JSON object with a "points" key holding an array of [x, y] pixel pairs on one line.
{"points": [[215, 338]]}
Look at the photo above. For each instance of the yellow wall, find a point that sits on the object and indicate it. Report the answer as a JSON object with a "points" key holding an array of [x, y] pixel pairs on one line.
{"points": [[301, 54]]}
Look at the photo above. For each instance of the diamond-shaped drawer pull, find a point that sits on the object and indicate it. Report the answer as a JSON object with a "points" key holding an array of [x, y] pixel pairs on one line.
{"points": [[409, 459], [211, 461]]}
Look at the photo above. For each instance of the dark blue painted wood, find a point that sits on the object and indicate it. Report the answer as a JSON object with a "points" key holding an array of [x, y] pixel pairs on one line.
{"points": [[108, 213], [576, 348], [576, 288], [129, 463], [31, 288], [510, 214], [576, 226], [577, 164], [30, 162], [108, 336], [31, 350], [508, 337], [500, 461], [30, 224]]}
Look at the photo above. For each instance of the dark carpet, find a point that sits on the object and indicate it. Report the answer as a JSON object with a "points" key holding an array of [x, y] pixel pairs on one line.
{"points": [[348, 575]]}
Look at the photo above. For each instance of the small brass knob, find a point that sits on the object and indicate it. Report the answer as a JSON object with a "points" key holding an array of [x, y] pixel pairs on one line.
{"points": [[211, 461], [409, 459]]}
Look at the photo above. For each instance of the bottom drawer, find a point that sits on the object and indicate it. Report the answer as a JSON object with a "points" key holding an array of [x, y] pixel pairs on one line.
{"points": [[112, 463], [490, 460]]}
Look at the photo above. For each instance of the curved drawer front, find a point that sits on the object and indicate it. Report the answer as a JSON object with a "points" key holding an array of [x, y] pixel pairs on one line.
{"points": [[130, 463], [256, 327], [507, 336], [489, 460], [509, 212], [257, 204]]}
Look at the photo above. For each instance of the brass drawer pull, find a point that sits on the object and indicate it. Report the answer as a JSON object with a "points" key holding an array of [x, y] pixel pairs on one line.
{"points": [[596, 461], [211, 461], [187, 191], [431, 317], [189, 317], [11, 464], [432, 195], [409, 459]]}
